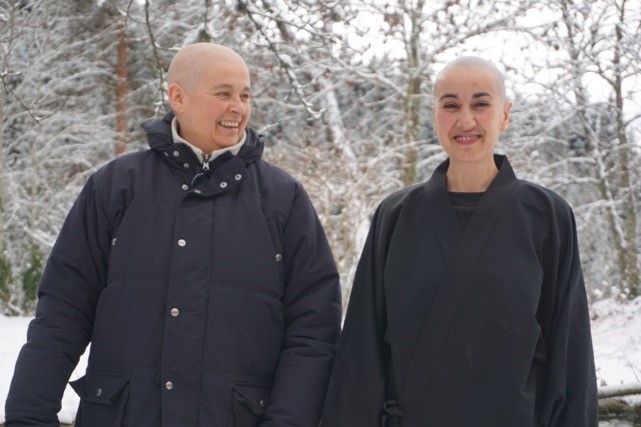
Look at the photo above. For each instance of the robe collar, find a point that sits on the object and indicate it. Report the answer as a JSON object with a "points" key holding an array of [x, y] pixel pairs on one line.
{"points": [[461, 250], [447, 224]]}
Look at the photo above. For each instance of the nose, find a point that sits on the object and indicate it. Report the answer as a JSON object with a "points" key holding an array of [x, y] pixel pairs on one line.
{"points": [[237, 106], [466, 119]]}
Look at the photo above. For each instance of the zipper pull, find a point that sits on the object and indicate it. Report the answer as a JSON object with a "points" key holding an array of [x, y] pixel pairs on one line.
{"points": [[204, 171]]}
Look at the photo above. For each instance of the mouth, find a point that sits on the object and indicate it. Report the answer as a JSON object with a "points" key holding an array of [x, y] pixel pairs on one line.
{"points": [[467, 139], [229, 124]]}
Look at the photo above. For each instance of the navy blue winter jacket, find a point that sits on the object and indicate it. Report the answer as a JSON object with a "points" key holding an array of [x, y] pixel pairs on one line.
{"points": [[210, 298]]}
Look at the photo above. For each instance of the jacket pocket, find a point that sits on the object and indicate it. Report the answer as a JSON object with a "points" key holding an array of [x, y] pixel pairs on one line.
{"points": [[103, 399], [249, 404]]}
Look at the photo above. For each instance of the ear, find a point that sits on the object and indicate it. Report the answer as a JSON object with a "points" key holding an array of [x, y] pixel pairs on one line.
{"points": [[176, 97], [506, 116]]}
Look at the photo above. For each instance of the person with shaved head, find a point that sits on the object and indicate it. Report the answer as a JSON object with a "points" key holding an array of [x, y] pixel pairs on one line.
{"points": [[198, 272], [468, 307]]}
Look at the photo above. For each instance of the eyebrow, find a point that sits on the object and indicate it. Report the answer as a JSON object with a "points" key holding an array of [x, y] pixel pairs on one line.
{"points": [[228, 86], [474, 96]]}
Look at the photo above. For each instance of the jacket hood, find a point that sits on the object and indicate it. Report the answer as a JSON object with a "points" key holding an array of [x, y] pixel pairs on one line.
{"points": [[160, 139]]}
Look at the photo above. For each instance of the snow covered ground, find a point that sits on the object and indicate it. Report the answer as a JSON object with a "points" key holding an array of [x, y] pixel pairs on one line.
{"points": [[616, 335], [615, 330]]}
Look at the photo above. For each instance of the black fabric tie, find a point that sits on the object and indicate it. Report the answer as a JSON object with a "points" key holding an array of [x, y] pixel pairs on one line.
{"points": [[392, 415]]}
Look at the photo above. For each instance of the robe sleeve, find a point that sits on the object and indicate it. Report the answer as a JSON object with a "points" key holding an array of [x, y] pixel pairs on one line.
{"points": [[570, 394], [312, 314], [357, 386]]}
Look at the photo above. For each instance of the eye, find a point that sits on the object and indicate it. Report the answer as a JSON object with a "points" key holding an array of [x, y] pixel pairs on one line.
{"points": [[481, 104], [222, 94], [245, 96], [450, 106]]}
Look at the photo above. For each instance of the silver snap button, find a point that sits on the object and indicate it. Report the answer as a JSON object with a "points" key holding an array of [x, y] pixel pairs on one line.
{"points": [[113, 242], [223, 184], [238, 177], [186, 165], [278, 257], [197, 191], [182, 243], [169, 385], [98, 392], [185, 187], [176, 153], [175, 312]]}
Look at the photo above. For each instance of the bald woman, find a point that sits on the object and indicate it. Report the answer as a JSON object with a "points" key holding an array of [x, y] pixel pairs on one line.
{"points": [[468, 307], [199, 273]]}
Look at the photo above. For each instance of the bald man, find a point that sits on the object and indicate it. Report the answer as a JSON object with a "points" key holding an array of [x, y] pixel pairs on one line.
{"points": [[468, 307], [199, 273]]}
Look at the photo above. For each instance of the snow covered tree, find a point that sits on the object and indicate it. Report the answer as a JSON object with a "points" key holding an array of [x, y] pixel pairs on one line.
{"points": [[592, 55], [342, 92], [51, 134]]}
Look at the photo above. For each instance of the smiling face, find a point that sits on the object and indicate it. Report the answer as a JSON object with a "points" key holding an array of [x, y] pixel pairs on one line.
{"points": [[210, 94], [470, 112]]}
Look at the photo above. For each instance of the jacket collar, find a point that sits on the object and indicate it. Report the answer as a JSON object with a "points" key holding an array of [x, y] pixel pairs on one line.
{"points": [[160, 139]]}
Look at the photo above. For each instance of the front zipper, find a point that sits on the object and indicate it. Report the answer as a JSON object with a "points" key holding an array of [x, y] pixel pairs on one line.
{"points": [[204, 171]]}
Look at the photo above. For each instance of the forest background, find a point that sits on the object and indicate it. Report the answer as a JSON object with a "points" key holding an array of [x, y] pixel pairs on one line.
{"points": [[342, 91]]}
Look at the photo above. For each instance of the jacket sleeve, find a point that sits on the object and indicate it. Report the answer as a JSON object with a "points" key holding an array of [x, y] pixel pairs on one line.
{"points": [[312, 314], [358, 383], [62, 327], [570, 393]]}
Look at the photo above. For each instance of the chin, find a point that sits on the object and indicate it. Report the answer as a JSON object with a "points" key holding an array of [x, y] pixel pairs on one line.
{"points": [[226, 144], [469, 158]]}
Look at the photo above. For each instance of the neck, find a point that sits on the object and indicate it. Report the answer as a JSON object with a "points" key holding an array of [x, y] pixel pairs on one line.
{"points": [[470, 177]]}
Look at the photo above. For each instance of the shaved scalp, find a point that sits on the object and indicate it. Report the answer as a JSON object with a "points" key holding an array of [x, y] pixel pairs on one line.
{"points": [[471, 62], [187, 67]]}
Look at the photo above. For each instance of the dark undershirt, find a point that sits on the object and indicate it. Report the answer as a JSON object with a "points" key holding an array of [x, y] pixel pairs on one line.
{"points": [[464, 204]]}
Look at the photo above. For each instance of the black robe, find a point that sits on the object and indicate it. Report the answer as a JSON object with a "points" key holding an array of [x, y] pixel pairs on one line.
{"points": [[486, 326]]}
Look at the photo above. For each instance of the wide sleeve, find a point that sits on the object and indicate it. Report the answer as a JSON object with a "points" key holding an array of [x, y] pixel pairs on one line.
{"points": [[62, 326], [312, 315], [569, 397], [358, 383]]}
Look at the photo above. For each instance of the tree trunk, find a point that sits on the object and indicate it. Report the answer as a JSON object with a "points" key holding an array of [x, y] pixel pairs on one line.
{"points": [[411, 104], [619, 390], [121, 92], [630, 254]]}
